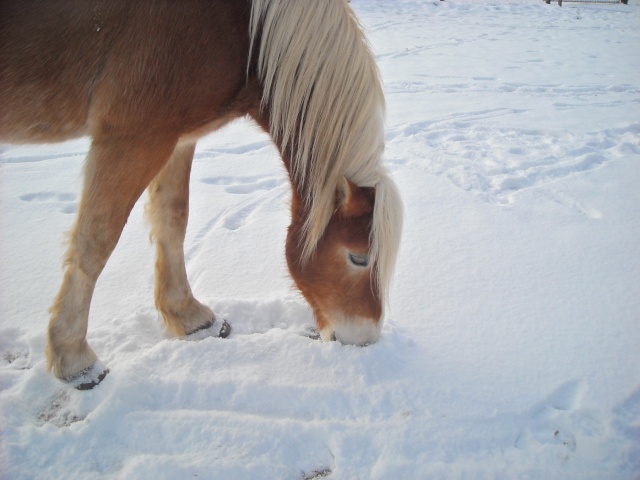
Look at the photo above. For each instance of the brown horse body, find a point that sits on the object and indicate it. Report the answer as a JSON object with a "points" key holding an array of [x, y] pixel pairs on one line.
{"points": [[145, 80]]}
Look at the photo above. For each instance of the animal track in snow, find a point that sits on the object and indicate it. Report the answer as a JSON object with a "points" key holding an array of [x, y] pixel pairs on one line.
{"points": [[321, 473], [248, 317], [266, 184], [48, 196], [627, 421], [385, 25], [232, 150], [56, 411], [18, 359], [238, 217], [253, 186], [12, 157], [252, 191], [438, 85], [566, 200], [566, 397], [66, 201], [244, 185], [628, 416], [14, 353], [553, 420], [495, 162]]}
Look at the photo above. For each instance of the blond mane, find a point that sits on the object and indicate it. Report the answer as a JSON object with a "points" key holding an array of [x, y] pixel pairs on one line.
{"points": [[327, 110]]}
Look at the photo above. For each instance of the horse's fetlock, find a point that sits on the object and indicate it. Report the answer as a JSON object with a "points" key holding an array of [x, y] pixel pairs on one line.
{"points": [[68, 360]]}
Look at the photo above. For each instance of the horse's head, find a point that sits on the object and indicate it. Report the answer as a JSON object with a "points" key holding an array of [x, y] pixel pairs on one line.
{"points": [[322, 102], [337, 280]]}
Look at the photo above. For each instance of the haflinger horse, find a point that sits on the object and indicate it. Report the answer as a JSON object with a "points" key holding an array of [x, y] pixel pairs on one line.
{"points": [[145, 80]]}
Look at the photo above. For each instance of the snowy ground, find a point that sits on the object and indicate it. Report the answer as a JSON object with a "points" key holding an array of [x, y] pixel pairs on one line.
{"points": [[513, 344]]}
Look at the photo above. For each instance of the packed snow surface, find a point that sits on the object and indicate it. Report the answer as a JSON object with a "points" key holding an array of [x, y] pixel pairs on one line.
{"points": [[512, 347]]}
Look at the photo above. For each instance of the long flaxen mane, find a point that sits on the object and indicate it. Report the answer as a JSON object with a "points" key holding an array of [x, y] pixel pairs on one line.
{"points": [[327, 109]]}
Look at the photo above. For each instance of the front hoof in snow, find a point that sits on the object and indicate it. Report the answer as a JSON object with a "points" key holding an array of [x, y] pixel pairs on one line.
{"points": [[206, 326], [225, 330], [88, 378], [311, 333], [210, 330]]}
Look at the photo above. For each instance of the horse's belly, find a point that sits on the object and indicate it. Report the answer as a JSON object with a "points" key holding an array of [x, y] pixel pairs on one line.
{"points": [[39, 120], [50, 55], [43, 100]]}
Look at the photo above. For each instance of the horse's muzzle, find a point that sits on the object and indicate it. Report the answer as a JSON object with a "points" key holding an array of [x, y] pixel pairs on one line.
{"points": [[352, 330]]}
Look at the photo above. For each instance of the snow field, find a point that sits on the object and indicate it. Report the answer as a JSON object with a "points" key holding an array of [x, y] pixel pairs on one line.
{"points": [[511, 349]]}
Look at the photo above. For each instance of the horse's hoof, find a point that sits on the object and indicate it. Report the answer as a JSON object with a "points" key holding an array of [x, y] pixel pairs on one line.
{"points": [[224, 332], [311, 333], [89, 385], [206, 326], [88, 378]]}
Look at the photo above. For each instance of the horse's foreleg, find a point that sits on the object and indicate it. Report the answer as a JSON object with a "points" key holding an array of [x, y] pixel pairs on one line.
{"points": [[117, 172], [167, 211]]}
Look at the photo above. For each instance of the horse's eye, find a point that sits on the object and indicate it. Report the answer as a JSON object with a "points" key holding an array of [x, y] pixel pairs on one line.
{"points": [[359, 260]]}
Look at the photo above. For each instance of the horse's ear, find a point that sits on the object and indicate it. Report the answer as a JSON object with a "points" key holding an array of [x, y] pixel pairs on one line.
{"points": [[343, 192], [352, 200]]}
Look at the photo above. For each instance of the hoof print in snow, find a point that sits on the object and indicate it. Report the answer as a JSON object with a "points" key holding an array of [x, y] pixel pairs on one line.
{"points": [[553, 421], [11, 357], [561, 437], [89, 378], [322, 473], [57, 411], [17, 360]]}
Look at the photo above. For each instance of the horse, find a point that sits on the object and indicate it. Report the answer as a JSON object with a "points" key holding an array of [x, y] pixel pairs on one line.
{"points": [[145, 80]]}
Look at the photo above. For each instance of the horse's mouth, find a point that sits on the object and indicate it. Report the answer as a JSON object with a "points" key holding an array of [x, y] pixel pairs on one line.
{"points": [[359, 331]]}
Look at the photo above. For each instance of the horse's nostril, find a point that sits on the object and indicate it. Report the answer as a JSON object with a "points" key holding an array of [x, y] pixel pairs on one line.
{"points": [[333, 336]]}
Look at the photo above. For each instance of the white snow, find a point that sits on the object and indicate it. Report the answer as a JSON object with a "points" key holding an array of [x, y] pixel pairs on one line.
{"points": [[513, 343]]}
